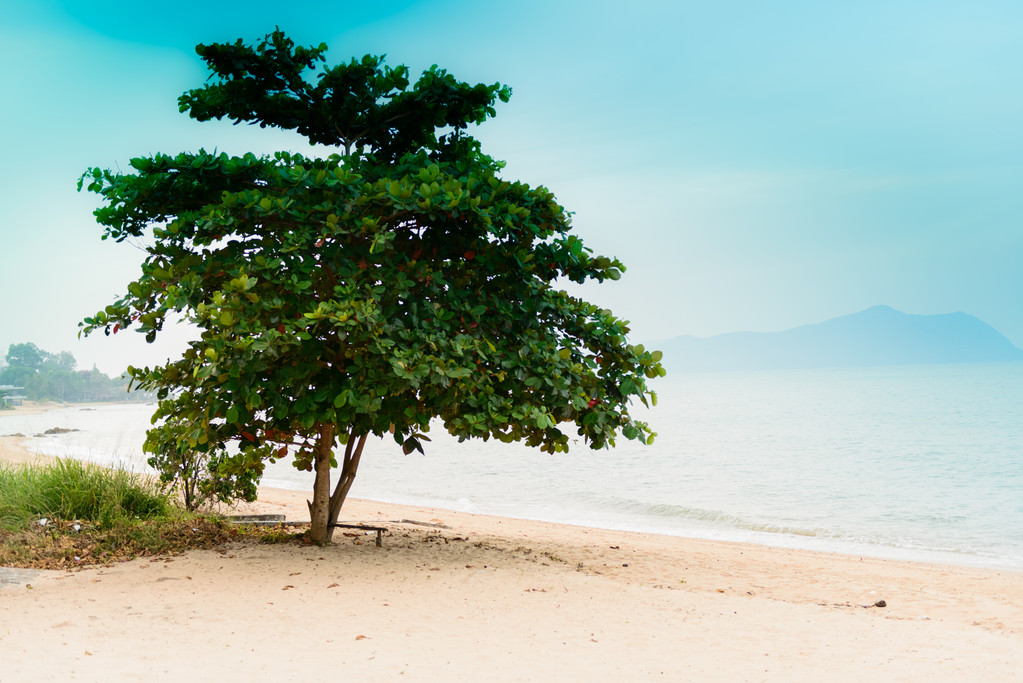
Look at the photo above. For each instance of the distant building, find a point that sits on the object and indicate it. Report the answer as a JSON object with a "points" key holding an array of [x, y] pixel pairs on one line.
{"points": [[10, 395]]}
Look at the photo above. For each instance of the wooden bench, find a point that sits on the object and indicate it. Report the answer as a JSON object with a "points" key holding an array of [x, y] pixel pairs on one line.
{"points": [[279, 519], [379, 529]]}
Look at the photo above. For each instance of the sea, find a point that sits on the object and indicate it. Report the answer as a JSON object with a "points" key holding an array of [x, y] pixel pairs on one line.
{"points": [[915, 462]]}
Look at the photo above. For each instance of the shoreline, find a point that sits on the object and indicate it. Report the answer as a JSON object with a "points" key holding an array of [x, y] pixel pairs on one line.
{"points": [[462, 595], [782, 541], [12, 450]]}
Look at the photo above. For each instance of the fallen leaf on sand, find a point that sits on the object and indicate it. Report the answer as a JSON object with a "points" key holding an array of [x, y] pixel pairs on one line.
{"points": [[333, 585], [362, 637], [287, 587]]}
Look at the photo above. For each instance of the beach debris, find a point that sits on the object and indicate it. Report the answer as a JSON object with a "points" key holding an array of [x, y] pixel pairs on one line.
{"points": [[435, 525], [361, 637], [879, 603], [255, 519]]}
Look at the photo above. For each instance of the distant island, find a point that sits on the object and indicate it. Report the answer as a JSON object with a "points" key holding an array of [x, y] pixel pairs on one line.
{"points": [[877, 336]]}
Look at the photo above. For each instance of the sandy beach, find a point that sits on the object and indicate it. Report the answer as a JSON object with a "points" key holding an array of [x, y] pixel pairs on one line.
{"points": [[455, 596]]}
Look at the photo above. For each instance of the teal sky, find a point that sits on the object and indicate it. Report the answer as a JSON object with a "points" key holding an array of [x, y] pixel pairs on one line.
{"points": [[756, 165]]}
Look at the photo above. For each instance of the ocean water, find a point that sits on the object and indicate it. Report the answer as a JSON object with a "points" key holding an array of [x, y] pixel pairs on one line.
{"points": [[914, 462]]}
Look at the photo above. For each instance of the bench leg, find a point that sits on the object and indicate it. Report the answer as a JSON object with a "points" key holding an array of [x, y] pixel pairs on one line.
{"points": [[379, 542]]}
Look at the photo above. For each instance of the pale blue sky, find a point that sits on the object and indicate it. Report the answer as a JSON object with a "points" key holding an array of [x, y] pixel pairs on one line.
{"points": [[756, 165]]}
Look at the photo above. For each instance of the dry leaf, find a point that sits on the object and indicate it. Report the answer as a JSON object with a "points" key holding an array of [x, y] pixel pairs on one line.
{"points": [[361, 638]]}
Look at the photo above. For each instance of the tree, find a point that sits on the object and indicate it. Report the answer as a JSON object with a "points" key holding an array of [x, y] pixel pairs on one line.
{"points": [[369, 292], [26, 355], [63, 361]]}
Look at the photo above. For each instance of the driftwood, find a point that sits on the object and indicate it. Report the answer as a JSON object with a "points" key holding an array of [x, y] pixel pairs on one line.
{"points": [[255, 519]]}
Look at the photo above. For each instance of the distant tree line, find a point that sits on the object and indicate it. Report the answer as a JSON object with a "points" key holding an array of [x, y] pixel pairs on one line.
{"points": [[47, 376]]}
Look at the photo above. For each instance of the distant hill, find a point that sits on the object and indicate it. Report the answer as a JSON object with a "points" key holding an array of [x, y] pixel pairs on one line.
{"points": [[877, 336]]}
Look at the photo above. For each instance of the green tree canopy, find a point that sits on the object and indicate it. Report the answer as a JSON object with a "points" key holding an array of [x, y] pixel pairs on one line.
{"points": [[369, 292], [26, 355]]}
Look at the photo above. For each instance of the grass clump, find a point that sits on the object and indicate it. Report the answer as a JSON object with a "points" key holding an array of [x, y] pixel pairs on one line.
{"points": [[92, 514], [98, 515], [74, 490]]}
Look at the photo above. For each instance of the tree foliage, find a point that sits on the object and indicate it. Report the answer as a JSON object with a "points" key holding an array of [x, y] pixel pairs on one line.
{"points": [[368, 292], [26, 355]]}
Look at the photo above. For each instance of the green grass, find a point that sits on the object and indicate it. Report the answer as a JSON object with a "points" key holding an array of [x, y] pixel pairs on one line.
{"points": [[72, 490], [98, 515]]}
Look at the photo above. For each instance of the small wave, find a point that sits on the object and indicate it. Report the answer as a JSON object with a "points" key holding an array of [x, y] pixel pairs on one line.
{"points": [[668, 511]]}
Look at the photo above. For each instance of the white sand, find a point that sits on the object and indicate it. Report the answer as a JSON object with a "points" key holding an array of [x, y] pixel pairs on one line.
{"points": [[495, 599]]}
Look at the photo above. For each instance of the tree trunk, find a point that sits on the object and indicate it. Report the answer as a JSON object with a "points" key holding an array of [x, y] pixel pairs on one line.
{"points": [[353, 452], [319, 509], [325, 506]]}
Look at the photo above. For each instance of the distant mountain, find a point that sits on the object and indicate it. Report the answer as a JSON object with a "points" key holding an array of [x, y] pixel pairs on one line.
{"points": [[877, 336]]}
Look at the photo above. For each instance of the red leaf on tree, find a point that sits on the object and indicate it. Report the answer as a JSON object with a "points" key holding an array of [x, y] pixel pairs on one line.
{"points": [[248, 436]]}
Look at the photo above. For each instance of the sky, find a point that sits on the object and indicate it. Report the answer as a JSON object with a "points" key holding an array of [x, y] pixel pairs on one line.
{"points": [[756, 165]]}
